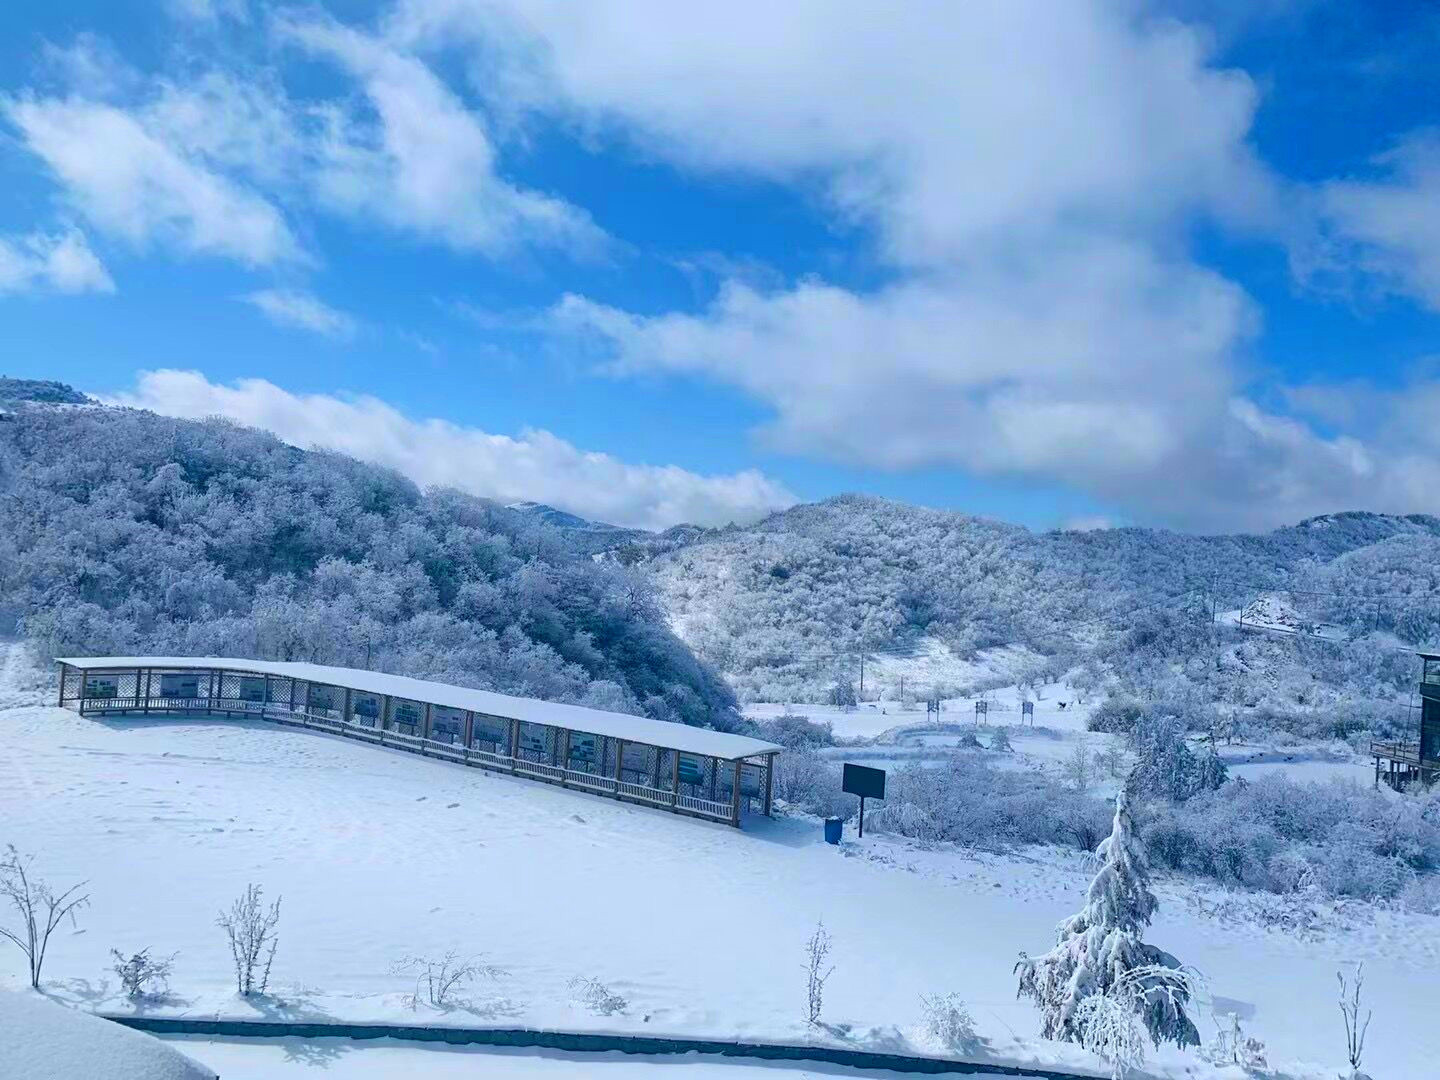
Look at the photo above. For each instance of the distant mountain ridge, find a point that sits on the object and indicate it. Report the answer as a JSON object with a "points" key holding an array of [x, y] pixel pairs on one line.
{"points": [[767, 603]]}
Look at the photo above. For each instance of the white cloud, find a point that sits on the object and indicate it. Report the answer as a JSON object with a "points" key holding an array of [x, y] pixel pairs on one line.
{"points": [[209, 11], [1389, 226], [946, 126], [536, 466], [61, 262], [128, 179], [204, 162], [287, 307], [428, 164], [1087, 523], [1030, 172]]}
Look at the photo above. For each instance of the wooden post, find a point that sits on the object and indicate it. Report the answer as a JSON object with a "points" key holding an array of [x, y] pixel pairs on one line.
{"points": [[467, 732], [735, 795], [514, 742], [619, 764], [64, 670], [769, 782], [425, 731], [347, 705], [562, 747], [655, 772], [675, 779]]}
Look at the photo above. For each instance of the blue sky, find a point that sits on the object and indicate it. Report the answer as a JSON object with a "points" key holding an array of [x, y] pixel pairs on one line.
{"points": [[1174, 264]]}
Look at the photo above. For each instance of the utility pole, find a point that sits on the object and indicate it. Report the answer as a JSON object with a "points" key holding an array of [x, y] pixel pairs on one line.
{"points": [[862, 674]]}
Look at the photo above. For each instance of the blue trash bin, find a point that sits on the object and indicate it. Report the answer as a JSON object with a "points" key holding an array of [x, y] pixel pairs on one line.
{"points": [[834, 826]]}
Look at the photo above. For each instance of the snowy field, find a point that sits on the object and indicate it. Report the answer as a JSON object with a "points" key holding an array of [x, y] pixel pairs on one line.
{"points": [[699, 927], [887, 734]]}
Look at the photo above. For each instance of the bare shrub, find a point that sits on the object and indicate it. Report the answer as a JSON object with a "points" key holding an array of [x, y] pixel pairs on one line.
{"points": [[142, 975], [40, 908], [439, 981], [1355, 1028], [596, 996], [817, 949], [251, 930], [1078, 770], [948, 1021]]}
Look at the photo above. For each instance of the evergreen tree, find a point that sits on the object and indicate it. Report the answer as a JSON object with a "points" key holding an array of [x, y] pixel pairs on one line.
{"points": [[1100, 952]]}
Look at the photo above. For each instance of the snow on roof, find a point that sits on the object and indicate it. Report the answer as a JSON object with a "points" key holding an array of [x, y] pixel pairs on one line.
{"points": [[640, 729], [43, 1040]]}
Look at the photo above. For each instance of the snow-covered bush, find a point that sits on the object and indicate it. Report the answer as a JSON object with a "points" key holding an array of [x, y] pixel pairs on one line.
{"points": [[842, 694], [1233, 1047], [596, 996], [252, 931], [809, 782], [1337, 838], [1165, 765], [796, 732], [1100, 952], [440, 980], [1107, 1026], [38, 909], [142, 975], [948, 1021], [1114, 715], [1000, 739]]}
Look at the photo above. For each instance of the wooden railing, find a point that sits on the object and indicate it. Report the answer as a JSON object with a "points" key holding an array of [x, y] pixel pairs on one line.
{"points": [[1405, 752]]}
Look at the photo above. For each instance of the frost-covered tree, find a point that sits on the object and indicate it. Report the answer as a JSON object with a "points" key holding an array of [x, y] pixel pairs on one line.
{"points": [[1100, 951]]}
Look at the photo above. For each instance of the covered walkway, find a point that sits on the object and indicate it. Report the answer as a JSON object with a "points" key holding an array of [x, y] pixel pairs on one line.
{"points": [[687, 770]]}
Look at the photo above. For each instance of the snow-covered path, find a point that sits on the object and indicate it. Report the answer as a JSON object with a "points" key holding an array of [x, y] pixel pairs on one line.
{"points": [[698, 926]]}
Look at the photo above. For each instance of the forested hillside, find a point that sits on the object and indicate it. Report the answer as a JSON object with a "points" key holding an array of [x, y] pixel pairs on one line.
{"points": [[1132, 608], [124, 532]]}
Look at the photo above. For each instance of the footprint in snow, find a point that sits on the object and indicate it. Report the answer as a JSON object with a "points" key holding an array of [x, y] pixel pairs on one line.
{"points": [[451, 806]]}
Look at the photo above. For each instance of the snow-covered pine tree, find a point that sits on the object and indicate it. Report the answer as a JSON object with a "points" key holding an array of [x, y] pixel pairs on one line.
{"points": [[1100, 951]]}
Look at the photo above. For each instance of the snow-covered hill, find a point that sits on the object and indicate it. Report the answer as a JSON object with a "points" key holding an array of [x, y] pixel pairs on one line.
{"points": [[787, 607], [701, 929]]}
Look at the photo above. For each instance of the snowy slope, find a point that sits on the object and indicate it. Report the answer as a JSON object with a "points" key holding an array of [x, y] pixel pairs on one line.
{"points": [[41, 1040], [700, 927]]}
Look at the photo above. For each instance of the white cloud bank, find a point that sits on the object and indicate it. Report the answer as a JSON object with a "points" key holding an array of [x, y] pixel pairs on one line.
{"points": [[60, 262], [300, 310], [1030, 172], [537, 466]]}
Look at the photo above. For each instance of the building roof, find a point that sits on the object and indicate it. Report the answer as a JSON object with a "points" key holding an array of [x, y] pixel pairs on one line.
{"points": [[640, 729], [1429, 656]]}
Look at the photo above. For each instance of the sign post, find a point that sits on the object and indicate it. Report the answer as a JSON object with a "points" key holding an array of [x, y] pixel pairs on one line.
{"points": [[982, 712], [864, 781], [1027, 710]]}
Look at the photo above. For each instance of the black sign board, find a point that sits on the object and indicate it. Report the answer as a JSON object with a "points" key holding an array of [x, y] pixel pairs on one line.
{"points": [[866, 782], [863, 781]]}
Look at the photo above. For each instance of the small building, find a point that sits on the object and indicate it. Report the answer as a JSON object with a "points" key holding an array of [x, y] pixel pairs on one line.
{"points": [[1404, 762], [687, 770]]}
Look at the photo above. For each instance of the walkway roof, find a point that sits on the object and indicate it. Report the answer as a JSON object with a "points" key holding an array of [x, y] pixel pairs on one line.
{"points": [[640, 729]]}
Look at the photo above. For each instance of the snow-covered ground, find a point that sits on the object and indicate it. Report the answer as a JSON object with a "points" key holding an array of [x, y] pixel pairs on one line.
{"points": [[700, 927], [344, 1059], [43, 1040]]}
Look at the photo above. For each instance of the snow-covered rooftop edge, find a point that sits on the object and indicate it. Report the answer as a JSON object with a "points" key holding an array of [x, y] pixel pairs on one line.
{"points": [[640, 729]]}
